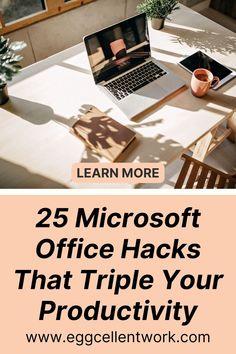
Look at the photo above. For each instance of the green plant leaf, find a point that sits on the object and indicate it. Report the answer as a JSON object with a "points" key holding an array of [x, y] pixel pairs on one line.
{"points": [[9, 60], [17, 46], [157, 8]]}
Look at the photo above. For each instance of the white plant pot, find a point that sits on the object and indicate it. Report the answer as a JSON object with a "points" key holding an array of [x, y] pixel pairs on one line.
{"points": [[157, 23]]}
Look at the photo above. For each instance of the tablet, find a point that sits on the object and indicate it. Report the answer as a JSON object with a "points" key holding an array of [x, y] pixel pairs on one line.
{"points": [[201, 60]]}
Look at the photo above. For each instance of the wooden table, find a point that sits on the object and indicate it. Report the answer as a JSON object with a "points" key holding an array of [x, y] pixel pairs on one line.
{"points": [[36, 148]]}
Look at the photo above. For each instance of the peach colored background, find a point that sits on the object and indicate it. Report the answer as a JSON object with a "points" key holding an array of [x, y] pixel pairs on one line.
{"points": [[19, 309], [119, 166]]}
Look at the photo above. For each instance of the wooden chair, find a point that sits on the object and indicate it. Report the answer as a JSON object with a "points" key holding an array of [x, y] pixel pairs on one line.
{"points": [[1, 19], [196, 174]]}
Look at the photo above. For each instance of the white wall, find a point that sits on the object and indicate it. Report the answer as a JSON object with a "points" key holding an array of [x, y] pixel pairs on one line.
{"points": [[63, 31]]}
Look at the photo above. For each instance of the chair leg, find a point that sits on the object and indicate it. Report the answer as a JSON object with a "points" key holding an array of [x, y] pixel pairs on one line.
{"points": [[232, 125], [202, 147]]}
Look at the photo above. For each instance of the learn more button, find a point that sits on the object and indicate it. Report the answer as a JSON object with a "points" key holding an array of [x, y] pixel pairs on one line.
{"points": [[133, 173]]}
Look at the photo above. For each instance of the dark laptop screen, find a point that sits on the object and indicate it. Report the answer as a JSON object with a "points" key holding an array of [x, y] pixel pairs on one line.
{"points": [[118, 48]]}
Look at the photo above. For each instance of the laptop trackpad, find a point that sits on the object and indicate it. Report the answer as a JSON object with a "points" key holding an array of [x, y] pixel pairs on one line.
{"points": [[142, 99], [152, 91]]}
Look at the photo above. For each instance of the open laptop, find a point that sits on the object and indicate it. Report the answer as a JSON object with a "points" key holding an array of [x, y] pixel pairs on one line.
{"points": [[122, 66]]}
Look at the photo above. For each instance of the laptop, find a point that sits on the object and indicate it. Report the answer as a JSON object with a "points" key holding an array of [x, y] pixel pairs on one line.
{"points": [[123, 68]]}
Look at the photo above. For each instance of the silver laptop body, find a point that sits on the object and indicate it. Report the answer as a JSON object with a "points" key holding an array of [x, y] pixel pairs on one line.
{"points": [[122, 66]]}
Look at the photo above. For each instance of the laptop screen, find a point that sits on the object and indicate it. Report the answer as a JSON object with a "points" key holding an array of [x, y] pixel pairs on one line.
{"points": [[119, 48]]}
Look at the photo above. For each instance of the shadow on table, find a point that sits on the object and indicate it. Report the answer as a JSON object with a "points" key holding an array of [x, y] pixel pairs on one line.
{"points": [[39, 114], [150, 149], [153, 149], [157, 149], [142, 149], [35, 113], [10, 172], [202, 39]]}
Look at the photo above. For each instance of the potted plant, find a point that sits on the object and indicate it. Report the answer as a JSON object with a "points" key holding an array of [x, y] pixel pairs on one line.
{"points": [[9, 64], [158, 10]]}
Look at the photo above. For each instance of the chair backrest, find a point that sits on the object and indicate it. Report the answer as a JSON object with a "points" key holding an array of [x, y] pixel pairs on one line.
{"points": [[196, 174], [1, 19]]}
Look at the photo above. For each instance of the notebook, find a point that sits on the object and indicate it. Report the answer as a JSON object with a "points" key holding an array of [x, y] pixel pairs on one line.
{"points": [[103, 134]]}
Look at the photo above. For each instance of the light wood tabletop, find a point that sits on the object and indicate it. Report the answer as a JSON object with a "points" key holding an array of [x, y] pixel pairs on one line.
{"points": [[37, 149]]}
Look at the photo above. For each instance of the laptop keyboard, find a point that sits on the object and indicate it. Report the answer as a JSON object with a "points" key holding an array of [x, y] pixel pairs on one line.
{"points": [[134, 80]]}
